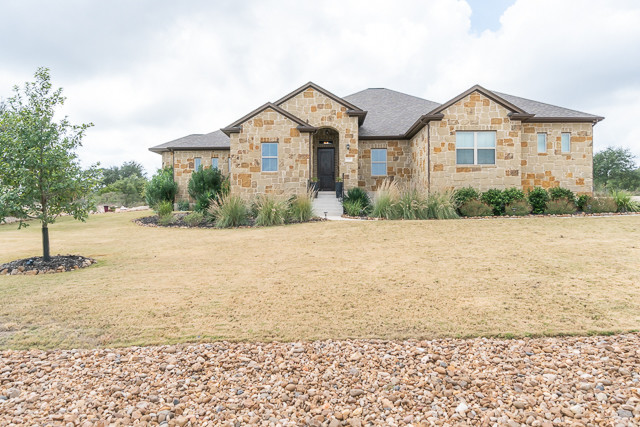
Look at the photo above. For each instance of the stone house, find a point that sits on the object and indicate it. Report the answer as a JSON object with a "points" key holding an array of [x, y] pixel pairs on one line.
{"points": [[480, 138]]}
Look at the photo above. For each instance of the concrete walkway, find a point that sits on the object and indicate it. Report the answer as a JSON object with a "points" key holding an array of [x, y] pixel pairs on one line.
{"points": [[327, 205]]}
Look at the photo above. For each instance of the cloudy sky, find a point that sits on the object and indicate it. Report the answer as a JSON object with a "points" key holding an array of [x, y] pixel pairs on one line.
{"points": [[149, 71]]}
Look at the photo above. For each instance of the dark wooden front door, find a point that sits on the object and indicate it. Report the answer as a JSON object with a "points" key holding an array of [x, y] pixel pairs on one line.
{"points": [[326, 169]]}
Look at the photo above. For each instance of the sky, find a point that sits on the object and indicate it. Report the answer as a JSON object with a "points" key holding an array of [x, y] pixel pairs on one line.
{"points": [[146, 72]]}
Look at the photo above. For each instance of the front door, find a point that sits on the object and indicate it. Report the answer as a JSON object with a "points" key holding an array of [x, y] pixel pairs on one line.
{"points": [[326, 169]]}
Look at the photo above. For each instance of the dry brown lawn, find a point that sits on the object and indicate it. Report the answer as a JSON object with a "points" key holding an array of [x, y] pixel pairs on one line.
{"points": [[376, 279]]}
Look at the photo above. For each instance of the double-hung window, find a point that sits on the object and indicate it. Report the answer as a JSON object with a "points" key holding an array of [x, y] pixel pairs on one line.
{"points": [[214, 163], [476, 148], [542, 143], [378, 161], [198, 163], [269, 156], [566, 142]]}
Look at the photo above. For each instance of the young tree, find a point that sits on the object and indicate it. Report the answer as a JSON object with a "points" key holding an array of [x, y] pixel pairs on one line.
{"points": [[40, 177]]}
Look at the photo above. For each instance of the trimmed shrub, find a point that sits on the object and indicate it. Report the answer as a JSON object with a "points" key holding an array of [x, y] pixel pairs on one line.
{"points": [[161, 187], [360, 195], [583, 200], [518, 208], [556, 193], [166, 220], [164, 208], [624, 202], [205, 185], [229, 211], [194, 219], [495, 199], [412, 204], [463, 195], [183, 205], [353, 207], [475, 207], [269, 211], [561, 206], [441, 206], [385, 199], [600, 205], [538, 198], [301, 207], [512, 194]]}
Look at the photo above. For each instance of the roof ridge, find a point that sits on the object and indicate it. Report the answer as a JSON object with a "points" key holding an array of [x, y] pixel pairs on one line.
{"points": [[394, 91]]}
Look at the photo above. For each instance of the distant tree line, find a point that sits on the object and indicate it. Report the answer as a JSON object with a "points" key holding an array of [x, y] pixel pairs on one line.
{"points": [[122, 185], [615, 169]]}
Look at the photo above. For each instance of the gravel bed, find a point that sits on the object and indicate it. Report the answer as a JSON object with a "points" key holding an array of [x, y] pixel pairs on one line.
{"points": [[543, 382], [37, 265]]}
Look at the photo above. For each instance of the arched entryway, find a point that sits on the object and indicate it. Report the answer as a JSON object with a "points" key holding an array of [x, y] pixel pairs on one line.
{"points": [[325, 164]]}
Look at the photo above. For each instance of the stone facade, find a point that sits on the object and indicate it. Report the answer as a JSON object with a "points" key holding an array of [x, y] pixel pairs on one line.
{"points": [[184, 165], [399, 163], [320, 110], [247, 177]]}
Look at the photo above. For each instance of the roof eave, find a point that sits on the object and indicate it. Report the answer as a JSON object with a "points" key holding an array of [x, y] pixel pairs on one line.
{"points": [[421, 122], [536, 119], [486, 92], [231, 129], [360, 114]]}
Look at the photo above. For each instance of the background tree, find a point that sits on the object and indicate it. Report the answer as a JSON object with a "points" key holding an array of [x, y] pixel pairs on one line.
{"points": [[115, 173], [40, 177], [122, 185], [615, 168]]}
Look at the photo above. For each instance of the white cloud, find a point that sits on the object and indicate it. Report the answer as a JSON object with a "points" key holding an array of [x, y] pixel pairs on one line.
{"points": [[148, 72]]}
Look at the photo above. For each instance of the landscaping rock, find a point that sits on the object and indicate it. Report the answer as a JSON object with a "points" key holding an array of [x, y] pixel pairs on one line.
{"points": [[37, 265]]}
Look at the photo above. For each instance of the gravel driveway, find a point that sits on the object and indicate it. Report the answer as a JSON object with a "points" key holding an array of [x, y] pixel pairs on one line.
{"points": [[550, 381]]}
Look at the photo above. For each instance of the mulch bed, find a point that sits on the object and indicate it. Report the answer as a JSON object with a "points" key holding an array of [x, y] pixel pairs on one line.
{"points": [[152, 221], [37, 265]]}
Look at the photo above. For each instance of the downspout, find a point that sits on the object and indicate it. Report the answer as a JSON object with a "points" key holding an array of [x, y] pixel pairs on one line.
{"points": [[428, 158], [173, 169]]}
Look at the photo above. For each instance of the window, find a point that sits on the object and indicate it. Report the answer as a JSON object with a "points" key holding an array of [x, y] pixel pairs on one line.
{"points": [[378, 161], [542, 143], [198, 163], [214, 163], [566, 142], [269, 156], [229, 165], [476, 148]]}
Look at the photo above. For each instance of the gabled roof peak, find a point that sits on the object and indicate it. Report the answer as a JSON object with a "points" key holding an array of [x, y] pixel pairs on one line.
{"points": [[235, 126]]}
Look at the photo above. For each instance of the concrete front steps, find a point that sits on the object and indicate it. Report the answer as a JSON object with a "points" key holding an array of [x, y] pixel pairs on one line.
{"points": [[329, 203]]}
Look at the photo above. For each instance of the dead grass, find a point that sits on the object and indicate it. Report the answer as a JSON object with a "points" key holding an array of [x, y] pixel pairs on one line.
{"points": [[376, 279]]}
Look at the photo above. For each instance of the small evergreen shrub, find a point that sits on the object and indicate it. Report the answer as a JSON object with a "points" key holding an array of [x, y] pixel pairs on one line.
{"points": [[475, 207], [183, 205], [624, 202], [512, 194], [270, 211], [495, 199], [203, 203], [556, 193], [463, 195], [538, 198], [582, 201], [166, 220], [600, 205], [561, 206], [412, 204], [204, 186], [193, 219], [164, 208], [301, 207], [518, 208], [161, 187], [229, 211], [360, 195], [353, 207], [441, 206]]}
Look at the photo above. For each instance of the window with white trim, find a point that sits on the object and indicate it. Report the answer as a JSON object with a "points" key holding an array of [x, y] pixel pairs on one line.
{"points": [[542, 143], [476, 148], [269, 156], [566, 142], [378, 161], [198, 163], [214, 163]]}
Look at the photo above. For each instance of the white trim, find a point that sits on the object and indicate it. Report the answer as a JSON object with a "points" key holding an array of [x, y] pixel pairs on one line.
{"points": [[476, 148]]}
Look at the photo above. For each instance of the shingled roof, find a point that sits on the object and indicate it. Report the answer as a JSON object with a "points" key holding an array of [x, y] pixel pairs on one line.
{"points": [[542, 111], [197, 141]]}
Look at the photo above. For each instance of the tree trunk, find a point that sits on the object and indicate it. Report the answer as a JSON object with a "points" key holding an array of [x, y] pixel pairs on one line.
{"points": [[45, 243]]}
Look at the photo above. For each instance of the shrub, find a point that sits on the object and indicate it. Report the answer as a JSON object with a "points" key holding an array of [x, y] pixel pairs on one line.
{"points": [[352, 207], [194, 219], [441, 206], [269, 211], [518, 208], [164, 208], [624, 202], [301, 207], [583, 200], [358, 194], [205, 185], [166, 220], [161, 187], [561, 206], [183, 205], [412, 204], [385, 199], [475, 207], [229, 211], [463, 195], [511, 195], [538, 198], [494, 198], [600, 205], [556, 193]]}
